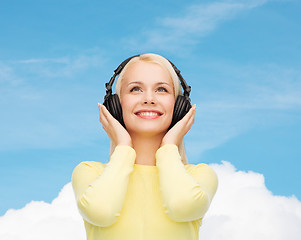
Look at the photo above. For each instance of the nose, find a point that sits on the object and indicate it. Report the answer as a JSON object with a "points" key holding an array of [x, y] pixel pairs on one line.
{"points": [[149, 98]]}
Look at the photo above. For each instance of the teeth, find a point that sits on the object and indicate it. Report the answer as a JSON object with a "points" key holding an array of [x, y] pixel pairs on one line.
{"points": [[148, 114]]}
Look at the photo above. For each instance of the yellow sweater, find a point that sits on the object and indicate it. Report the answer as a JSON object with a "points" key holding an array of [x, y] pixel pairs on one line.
{"points": [[122, 200]]}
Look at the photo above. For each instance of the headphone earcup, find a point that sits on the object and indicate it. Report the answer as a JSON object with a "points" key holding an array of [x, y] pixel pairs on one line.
{"points": [[112, 103], [182, 106]]}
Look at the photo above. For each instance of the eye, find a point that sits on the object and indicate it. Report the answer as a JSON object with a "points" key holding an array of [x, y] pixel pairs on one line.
{"points": [[135, 89], [162, 89]]}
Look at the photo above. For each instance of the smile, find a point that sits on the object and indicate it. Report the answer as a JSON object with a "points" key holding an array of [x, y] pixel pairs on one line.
{"points": [[148, 114]]}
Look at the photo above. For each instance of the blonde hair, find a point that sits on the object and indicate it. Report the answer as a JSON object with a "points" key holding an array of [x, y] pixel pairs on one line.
{"points": [[164, 63]]}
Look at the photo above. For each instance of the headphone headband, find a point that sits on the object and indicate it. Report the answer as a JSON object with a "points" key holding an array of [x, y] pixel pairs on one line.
{"points": [[118, 70]]}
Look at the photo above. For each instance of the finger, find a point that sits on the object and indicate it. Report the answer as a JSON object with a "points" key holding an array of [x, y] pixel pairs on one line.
{"points": [[107, 114], [190, 112], [189, 119], [192, 116], [102, 117], [193, 109]]}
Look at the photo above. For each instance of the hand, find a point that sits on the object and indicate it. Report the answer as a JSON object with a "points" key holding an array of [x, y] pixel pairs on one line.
{"points": [[179, 130], [116, 132]]}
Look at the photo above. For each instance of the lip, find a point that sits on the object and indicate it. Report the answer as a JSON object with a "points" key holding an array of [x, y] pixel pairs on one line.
{"points": [[148, 114]]}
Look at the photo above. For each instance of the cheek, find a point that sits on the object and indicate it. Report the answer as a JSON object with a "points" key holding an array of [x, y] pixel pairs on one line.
{"points": [[169, 104], [127, 102]]}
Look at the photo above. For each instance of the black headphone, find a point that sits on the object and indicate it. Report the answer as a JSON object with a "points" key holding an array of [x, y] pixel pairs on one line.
{"points": [[112, 102]]}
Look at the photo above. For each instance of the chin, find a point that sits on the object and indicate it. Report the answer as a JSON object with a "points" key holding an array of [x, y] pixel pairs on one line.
{"points": [[147, 129]]}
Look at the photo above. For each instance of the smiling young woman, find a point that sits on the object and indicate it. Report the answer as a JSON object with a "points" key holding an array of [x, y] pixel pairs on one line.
{"points": [[147, 190]]}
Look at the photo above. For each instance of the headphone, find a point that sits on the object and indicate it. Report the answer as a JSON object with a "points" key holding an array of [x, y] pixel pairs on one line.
{"points": [[112, 102]]}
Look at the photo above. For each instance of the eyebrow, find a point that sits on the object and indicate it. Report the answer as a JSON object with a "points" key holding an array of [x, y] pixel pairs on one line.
{"points": [[135, 82], [141, 83]]}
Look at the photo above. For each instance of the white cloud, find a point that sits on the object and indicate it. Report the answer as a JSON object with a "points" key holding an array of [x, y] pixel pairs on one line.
{"points": [[197, 21], [243, 208], [58, 220]]}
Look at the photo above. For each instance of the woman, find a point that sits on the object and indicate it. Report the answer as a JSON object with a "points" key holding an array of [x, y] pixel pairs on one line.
{"points": [[147, 190]]}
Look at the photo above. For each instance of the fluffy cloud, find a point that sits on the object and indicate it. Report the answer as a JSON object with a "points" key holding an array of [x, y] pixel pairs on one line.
{"points": [[242, 209], [245, 209], [58, 220]]}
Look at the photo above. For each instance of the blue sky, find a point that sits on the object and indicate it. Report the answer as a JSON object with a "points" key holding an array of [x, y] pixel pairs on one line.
{"points": [[242, 59]]}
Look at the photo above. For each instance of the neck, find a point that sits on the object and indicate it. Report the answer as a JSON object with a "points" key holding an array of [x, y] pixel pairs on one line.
{"points": [[146, 147]]}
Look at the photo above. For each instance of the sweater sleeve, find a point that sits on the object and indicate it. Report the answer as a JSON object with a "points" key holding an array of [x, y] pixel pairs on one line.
{"points": [[186, 194], [100, 191]]}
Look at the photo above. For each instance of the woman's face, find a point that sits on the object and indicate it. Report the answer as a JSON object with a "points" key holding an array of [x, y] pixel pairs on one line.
{"points": [[147, 99]]}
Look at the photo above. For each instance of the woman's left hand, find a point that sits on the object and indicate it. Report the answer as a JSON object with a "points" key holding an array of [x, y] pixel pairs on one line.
{"points": [[179, 130]]}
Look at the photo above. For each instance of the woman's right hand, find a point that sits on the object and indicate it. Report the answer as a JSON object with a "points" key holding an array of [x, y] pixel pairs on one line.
{"points": [[116, 132]]}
